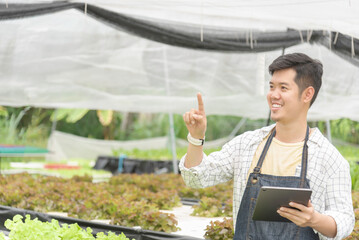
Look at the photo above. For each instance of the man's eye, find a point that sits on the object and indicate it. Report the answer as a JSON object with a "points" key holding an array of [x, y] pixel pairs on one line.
{"points": [[284, 88]]}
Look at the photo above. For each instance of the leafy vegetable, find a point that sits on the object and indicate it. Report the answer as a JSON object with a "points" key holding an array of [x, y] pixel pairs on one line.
{"points": [[220, 230], [37, 230]]}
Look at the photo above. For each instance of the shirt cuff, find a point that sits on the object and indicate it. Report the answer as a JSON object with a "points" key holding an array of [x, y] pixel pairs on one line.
{"points": [[340, 222], [195, 169], [192, 176]]}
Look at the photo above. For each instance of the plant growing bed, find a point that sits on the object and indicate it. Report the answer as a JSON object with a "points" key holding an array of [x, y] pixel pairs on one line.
{"points": [[132, 233], [33, 229], [126, 200]]}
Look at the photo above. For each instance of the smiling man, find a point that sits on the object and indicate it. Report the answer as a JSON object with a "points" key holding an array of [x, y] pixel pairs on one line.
{"points": [[286, 154]]}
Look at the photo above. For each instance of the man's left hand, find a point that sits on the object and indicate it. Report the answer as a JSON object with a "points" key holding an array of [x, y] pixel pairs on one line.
{"points": [[302, 216]]}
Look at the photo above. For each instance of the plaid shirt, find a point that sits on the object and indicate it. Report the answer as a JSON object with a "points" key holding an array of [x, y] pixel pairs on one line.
{"points": [[328, 174]]}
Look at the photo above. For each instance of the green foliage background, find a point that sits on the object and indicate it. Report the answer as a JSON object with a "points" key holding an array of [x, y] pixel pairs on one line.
{"points": [[32, 126]]}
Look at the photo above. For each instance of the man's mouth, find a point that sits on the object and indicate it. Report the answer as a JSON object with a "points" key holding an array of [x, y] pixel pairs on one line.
{"points": [[275, 105]]}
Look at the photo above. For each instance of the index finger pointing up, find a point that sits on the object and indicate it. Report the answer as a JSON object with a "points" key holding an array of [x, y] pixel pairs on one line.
{"points": [[200, 103]]}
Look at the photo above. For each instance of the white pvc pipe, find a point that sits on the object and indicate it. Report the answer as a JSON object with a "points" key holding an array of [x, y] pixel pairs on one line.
{"points": [[329, 133], [170, 115]]}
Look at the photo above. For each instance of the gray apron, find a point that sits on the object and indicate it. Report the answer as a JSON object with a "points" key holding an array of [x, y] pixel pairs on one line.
{"points": [[248, 229]]}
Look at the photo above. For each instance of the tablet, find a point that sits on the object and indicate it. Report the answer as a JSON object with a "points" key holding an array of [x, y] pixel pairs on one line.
{"points": [[270, 199]]}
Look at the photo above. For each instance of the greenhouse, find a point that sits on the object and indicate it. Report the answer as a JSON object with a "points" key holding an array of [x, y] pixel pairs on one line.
{"points": [[151, 58]]}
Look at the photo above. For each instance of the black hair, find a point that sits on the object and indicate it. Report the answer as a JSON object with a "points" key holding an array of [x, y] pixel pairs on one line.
{"points": [[308, 71]]}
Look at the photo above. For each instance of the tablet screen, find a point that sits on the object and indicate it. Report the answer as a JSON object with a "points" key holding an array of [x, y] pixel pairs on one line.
{"points": [[270, 199]]}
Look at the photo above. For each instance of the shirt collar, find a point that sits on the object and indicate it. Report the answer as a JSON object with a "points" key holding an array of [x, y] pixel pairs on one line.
{"points": [[263, 132], [315, 138]]}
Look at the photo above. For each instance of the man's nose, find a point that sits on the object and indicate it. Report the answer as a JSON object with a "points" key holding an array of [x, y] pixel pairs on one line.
{"points": [[275, 94]]}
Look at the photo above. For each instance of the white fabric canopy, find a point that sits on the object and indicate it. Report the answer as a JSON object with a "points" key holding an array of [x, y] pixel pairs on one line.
{"points": [[64, 146], [331, 15], [69, 60]]}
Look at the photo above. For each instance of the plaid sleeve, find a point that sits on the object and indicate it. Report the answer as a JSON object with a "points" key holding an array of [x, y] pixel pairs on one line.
{"points": [[338, 202], [214, 169]]}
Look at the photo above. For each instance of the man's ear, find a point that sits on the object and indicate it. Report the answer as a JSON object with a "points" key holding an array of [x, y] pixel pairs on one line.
{"points": [[308, 94]]}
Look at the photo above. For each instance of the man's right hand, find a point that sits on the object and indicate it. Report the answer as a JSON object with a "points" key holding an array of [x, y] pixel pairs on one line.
{"points": [[196, 121]]}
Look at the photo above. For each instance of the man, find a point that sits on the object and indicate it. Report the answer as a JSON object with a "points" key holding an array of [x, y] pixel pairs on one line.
{"points": [[288, 154]]}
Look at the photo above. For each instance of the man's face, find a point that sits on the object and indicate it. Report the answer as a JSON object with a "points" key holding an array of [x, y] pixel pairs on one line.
{"points": [[283, 97]]}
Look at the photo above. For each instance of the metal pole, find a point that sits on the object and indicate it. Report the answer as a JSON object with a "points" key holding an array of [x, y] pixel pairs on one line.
{"points": [[268, 120], [170, 116], [238, 126], [54, 123], [173, 144], [329, 132]]}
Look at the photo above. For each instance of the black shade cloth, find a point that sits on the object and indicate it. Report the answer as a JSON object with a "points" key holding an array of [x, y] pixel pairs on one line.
{"points": [[215, 39], [343, 45], [14, 11], [137, 166], [138, 234], [188, 36]]}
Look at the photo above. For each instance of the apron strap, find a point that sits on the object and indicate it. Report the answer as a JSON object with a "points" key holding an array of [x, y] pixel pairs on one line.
{"points": [[257, 169]]}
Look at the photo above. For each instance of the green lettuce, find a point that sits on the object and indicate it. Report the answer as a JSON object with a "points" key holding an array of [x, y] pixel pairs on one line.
{"points": [[33, 229]]}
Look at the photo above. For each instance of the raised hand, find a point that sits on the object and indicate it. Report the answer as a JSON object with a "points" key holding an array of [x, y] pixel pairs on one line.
{"points": [[196, 121]]}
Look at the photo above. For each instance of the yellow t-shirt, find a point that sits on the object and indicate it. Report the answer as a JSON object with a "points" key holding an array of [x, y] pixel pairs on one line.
{"points": [[281, 159]]}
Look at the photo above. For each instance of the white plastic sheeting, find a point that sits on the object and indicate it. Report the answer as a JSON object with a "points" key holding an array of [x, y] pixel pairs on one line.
{"points": [[64, 146], [330, 15], [69, 60]]}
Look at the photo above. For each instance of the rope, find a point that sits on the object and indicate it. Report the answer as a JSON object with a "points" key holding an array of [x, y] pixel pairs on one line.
{"points": [[301, 36]]}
